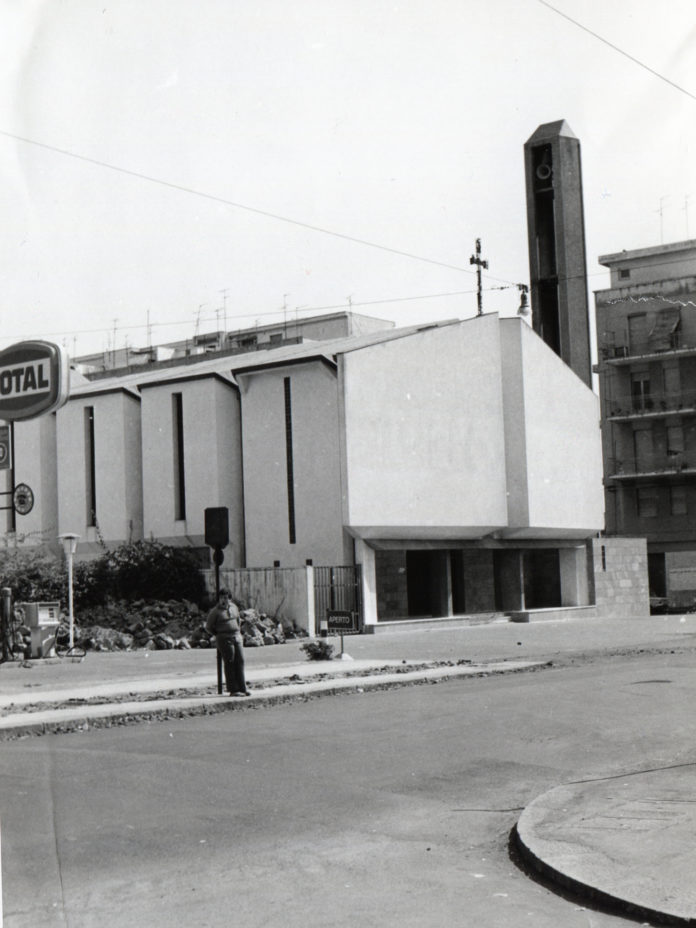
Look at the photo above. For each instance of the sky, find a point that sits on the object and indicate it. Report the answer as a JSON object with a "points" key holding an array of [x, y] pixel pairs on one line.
{"points": [[170, 167]]}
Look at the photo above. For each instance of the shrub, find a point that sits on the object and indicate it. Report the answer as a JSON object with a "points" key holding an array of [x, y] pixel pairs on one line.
{"points": [[150, 570], [317, 650], [137, 570], [33, 575]]}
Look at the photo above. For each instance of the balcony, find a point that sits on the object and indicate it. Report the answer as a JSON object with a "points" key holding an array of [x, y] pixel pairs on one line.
{"points": [[652, 467], [627, 407], [664, 337]]}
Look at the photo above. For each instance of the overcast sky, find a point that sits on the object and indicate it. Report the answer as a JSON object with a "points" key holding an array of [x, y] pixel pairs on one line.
{"points": [[186, 126]]}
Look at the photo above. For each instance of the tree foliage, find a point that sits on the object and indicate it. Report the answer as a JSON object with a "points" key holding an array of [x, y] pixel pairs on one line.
{"points": [[136, 570]]}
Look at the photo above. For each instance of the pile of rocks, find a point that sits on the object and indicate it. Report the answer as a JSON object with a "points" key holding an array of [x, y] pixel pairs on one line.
{"points": [[161, 625]]}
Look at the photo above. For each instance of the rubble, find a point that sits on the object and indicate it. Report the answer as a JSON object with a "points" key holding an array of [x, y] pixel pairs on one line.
{"points": [[162, 625]]}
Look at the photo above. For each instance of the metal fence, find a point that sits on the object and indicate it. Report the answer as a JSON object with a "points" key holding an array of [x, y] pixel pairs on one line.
{"points": [[337, 588]]}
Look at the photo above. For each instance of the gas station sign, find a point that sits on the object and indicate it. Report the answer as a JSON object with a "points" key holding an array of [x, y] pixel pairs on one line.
{"points": [[34, 380]]}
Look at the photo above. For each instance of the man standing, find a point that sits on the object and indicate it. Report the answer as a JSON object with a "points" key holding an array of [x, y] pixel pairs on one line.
{"points": [[223, 621]]}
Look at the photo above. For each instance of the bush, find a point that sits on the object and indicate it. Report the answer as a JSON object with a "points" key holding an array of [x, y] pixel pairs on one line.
{"points": [[33, 576], [148, 570], [318, 650], [137, 570]]}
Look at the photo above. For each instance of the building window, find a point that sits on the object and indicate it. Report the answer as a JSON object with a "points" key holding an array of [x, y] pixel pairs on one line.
{"points": [[179, 473], [624, 273], [643, 449], [90, 467], [646, 499], [675, 439], [290, 461], [638, 333], [677, 501], [640, 391]]}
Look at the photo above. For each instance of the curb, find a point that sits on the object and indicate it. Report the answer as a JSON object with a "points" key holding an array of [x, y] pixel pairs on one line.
{"points": [[603, 900], [107, 715], [525, 839]]}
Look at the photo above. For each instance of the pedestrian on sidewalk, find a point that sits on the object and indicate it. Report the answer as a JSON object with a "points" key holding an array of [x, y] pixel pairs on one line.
{"points": [[224, 622]]}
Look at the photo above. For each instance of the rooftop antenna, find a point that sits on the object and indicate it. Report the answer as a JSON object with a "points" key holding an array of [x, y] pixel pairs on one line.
{"points": [[661, 211], [224, 293], [217, 317], [686, 212], [149, 331], [480, 263], [198, 320], [297, 319], [285, 315]]}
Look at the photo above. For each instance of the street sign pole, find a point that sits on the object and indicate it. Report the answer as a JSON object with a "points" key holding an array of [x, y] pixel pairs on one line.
{"points": [[342, 622]]}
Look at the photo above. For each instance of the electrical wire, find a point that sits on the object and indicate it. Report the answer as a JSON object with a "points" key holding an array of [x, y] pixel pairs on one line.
{"points": [[275, 312], [616, 48], [181, 188]]}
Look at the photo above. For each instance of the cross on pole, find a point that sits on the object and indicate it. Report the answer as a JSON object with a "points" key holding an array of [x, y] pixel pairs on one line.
{"points": [[479, 262]]}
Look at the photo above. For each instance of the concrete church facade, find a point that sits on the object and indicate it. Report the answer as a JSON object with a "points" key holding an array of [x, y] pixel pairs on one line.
{"points": [[442, 459]]}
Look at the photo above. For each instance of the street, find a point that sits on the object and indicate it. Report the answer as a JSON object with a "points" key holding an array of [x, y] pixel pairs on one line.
{"points": [[393, 808]]}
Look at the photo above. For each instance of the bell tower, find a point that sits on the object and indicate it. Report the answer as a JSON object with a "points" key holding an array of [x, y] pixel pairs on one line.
{"points": [[556, 234]]}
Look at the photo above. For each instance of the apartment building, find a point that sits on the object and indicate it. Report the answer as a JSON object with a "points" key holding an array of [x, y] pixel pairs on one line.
{"points": [[646, 334]]}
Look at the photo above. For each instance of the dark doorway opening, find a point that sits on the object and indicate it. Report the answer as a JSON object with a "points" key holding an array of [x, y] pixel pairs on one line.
{"points": [[426, 583], [657, 574], [542, 578]]}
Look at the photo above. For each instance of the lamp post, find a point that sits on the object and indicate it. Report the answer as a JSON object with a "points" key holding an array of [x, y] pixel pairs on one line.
{"points": [[69, 540]]}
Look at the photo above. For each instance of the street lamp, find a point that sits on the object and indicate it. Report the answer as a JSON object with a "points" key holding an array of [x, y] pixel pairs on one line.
{"points": [[69, 540]]}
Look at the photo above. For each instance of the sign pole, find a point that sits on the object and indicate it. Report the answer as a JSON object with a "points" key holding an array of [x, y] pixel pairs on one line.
{"points": [[218, 558], [217, 537], [342, 622]]}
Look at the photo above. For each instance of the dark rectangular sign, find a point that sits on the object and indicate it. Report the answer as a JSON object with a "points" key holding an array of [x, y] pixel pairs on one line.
{"points": [[5, 447], [342, 622]]}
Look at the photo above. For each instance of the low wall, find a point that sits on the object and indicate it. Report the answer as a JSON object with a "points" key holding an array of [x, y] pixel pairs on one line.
{"points": [[281, 592], [620, 573]]}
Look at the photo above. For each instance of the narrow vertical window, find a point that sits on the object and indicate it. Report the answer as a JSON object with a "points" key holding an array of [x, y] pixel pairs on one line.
{"points": [[677, 501], [289, 458], [604, 557], [178, 436], [90, 467]]}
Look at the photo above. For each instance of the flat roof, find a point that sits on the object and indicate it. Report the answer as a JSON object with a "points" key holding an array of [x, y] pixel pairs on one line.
{"points": [[637, 253]]}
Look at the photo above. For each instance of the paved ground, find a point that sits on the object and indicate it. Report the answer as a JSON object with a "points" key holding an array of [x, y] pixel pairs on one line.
{"points": [[627, 840]]}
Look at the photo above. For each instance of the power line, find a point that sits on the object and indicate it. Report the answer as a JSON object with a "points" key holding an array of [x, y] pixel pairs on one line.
{"points": [[616, 48], [252, 315], [235, 204]]}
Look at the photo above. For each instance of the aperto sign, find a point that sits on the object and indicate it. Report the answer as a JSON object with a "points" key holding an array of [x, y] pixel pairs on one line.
{"points": [[34, 379]]}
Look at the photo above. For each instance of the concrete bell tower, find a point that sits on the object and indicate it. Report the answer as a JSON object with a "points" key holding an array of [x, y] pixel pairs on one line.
{"points": [[556, 232]]}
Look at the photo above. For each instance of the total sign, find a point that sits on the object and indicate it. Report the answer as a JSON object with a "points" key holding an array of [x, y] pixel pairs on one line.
{"points": [[34, 379]]}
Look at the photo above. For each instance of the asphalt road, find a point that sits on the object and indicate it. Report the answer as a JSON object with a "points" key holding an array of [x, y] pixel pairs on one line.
{"points": [[390, 808]]}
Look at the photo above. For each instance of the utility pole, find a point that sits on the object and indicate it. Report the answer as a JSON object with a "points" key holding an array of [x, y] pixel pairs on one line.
{"points": [[480, 263]]}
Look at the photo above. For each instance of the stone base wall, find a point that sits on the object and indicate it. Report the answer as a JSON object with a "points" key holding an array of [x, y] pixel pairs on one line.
{"points": [[680, 573], [620, 573]]}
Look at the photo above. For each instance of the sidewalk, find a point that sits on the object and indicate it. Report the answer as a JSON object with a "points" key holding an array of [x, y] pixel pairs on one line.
{"points": [[626, 842], [61, 701]]}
